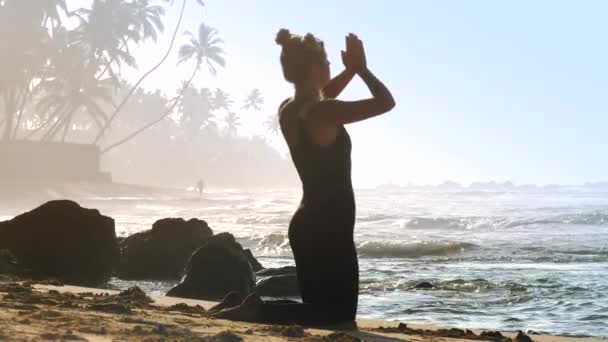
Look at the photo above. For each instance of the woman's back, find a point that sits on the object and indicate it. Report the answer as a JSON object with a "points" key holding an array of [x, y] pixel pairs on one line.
{"points": [[323, 170]]}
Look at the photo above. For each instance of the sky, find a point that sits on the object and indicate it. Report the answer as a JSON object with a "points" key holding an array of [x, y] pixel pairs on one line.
{"points": [[485, 90]]}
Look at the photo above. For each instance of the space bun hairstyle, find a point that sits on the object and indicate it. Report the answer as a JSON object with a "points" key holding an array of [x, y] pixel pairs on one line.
{"points": [[299, 54]]}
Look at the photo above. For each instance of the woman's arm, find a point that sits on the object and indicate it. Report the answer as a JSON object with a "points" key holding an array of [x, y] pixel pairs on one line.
{"points": [[335, 86], [343, 112]]}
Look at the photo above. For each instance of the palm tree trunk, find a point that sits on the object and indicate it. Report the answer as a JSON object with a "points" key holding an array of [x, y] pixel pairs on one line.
{"points": [[134, 88], [107, 67], [21, 108], [46, 123], [57, 125], [165, 114], [10, 107], [48, 136], [67, 126]]}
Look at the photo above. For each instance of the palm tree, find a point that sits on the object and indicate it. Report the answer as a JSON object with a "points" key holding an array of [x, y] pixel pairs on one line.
{"points": [[105, 30], [86, 94], [254, 100], [195, 109], [23, 58], [148, 73], [51, 11], [204, 50], [145, 23], [232, 123], [147, 20], [221, 99], [71, 87], [272, 124]]}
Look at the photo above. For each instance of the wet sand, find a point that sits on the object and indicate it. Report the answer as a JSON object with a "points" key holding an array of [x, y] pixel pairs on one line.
{"points": [[54, 312]]}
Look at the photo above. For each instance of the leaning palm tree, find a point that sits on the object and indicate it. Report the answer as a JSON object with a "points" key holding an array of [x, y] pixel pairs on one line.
{"points": [[104, 30], [144, 23], [254, 100], [204, 49], [146, 74]]}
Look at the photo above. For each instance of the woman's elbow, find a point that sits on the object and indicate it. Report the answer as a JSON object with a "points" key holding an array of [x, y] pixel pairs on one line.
{"points": [[389, 104]]}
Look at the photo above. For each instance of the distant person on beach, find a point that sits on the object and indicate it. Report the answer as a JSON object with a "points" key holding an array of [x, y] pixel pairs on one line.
{"points": [[200, 185], [321, 230]]}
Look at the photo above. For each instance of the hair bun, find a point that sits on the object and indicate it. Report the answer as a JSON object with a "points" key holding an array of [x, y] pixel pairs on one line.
{"points": [[283, 37], [310, 38]]}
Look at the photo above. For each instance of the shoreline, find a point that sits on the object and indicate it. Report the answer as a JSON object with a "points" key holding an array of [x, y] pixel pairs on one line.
{"points": [[50, 310], [437, 318]]}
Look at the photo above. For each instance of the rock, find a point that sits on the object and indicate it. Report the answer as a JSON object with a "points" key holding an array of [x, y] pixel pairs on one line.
{"points": [[255, 264], [522, 337], [492, 335], [278, 286], [163, 251], [114, 308], [268, 272], [224, 336], [8, 262], [294, 331], [340, 337], [215, 269], [62, 240], [425, 285]]}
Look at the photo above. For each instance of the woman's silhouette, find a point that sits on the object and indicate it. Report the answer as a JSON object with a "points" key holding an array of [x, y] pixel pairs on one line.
{"points": [[321, 230]]}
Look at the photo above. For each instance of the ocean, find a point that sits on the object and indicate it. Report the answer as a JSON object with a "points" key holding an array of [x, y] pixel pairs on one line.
{"points": [[531, 259]]}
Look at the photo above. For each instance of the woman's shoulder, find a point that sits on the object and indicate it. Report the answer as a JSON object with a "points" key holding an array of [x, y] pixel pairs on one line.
{"points": [[284, 103]]}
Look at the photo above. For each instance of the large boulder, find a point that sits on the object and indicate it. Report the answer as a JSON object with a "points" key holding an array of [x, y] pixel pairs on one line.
{"points": [[8, 262], [163, 251], [62, 240], [278, 286], [255, 264], [215, 269]]}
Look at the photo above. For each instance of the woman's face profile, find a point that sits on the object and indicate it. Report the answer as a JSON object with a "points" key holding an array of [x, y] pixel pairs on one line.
{"points": [[321, 73]]}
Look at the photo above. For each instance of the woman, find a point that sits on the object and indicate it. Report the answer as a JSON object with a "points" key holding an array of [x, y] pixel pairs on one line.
{"points": [[321, 230]]}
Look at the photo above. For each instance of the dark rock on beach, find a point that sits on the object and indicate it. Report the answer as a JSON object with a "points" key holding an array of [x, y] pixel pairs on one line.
{"points": [[255, 264], [163, 251], [522, 337], [268, 272], [8, 262], [215, 269], [62, 240], [492, 335], [278, 286]]}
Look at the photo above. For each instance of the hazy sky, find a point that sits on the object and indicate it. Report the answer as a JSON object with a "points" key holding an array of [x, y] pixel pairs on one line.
{"points": [[511, 90]]}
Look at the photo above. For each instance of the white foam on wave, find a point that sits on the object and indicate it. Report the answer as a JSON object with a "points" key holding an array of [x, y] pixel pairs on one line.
{"points": [[277, 244], [594, 218], [390, 249]]}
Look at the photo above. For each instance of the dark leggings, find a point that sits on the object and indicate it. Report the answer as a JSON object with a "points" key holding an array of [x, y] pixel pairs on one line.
{"points": [[327, 269]]}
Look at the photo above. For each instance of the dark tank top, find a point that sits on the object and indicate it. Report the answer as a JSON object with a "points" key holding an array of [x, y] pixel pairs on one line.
{"points": [[325, 171]]}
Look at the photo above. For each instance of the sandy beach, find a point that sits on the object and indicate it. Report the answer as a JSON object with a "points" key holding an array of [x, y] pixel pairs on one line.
{"points": [[51, 311]]}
